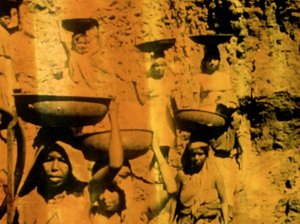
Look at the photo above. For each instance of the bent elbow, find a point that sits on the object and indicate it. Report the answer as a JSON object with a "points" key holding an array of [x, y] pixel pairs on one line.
{"points": [[172, 190], [117, 164]]}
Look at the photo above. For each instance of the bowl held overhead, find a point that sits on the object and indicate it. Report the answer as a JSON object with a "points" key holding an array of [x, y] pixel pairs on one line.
{"points": [[211, 39], [61, 111], [198, 120], [157, 47], [135, 142], [79, 25]]}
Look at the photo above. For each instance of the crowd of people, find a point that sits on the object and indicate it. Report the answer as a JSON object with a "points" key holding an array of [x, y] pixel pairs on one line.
{"points": [[59, 188]]}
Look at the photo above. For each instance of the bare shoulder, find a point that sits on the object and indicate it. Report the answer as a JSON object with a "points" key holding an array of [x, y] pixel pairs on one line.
{"points": [[180, 176], [214, 171]]}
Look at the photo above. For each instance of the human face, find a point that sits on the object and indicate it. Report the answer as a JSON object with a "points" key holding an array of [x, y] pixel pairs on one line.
{"points": [[80, 45], [110, 200], [159, 69], [56, 169], [4, 21], [198, 154], [211, 65]]}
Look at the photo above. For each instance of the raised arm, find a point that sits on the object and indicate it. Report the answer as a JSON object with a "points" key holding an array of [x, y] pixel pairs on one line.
{"points": [[140, 93], [115, 152], [104, 176], [63, 41], [165, 169], [159, 201]]}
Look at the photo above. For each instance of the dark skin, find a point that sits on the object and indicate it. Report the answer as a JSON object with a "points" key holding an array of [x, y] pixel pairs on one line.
{"points": [[155, 206], [155, 203], [56, 168], [56, 172], [198, 153], [104, 176], [5, 20]]}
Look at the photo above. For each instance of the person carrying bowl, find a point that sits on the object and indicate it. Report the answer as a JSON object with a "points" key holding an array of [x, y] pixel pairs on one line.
{"points": [[202, 197], [58, 188]]}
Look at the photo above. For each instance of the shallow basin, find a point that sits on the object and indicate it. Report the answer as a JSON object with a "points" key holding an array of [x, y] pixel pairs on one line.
{"points": [[135, 142], [196, 120], [79, 24], [156, 45], [211, 39], [61, 111]]}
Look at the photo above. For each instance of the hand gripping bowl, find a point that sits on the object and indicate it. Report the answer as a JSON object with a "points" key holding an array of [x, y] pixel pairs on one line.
{"points": [[135, 142], [198, 120], [61, 111]]}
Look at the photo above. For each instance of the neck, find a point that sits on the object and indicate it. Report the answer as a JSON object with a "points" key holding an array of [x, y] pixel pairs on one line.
{"points": [[49, 192], [4, 27], [194, 169], [101, 210]]}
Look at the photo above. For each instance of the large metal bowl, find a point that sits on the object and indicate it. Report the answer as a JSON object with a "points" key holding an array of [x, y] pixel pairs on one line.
{"points": [[61, 111], [135, 142], [211, 39], [79, 25], [156, 45], [198, 120]]}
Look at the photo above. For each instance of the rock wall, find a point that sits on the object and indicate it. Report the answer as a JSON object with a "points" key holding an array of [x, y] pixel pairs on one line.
{"points": [[262, 56]]}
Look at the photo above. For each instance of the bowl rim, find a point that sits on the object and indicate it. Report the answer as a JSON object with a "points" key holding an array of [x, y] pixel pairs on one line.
{"points": [[107, 131], [199, 110], [79, 24], [52, 97], [156, 45], [211, 39]]}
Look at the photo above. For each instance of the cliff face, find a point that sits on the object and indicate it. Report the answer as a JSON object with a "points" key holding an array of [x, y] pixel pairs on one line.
{"points": [[262, 56]]}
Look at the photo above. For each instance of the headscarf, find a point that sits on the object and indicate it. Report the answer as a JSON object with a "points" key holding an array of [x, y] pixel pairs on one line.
{"points": [[5, 10], [78, 175], [186, 156]]}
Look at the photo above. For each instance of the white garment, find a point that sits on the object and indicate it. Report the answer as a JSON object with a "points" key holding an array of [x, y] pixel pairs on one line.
{"points": [[161, 119]]}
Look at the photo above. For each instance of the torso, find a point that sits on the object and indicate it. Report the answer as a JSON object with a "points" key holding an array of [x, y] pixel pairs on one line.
{"points": [[215, 88], [97, 218], [203, 184], [159, 100], [65, 208]]}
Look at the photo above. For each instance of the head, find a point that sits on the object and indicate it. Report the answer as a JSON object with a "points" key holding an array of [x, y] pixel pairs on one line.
{"points": [[48, 135], [158, 68], [112, 199], [5, 17], [57, 167], [211, 61], [194, 156], [54, 166], [80, 43]]}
